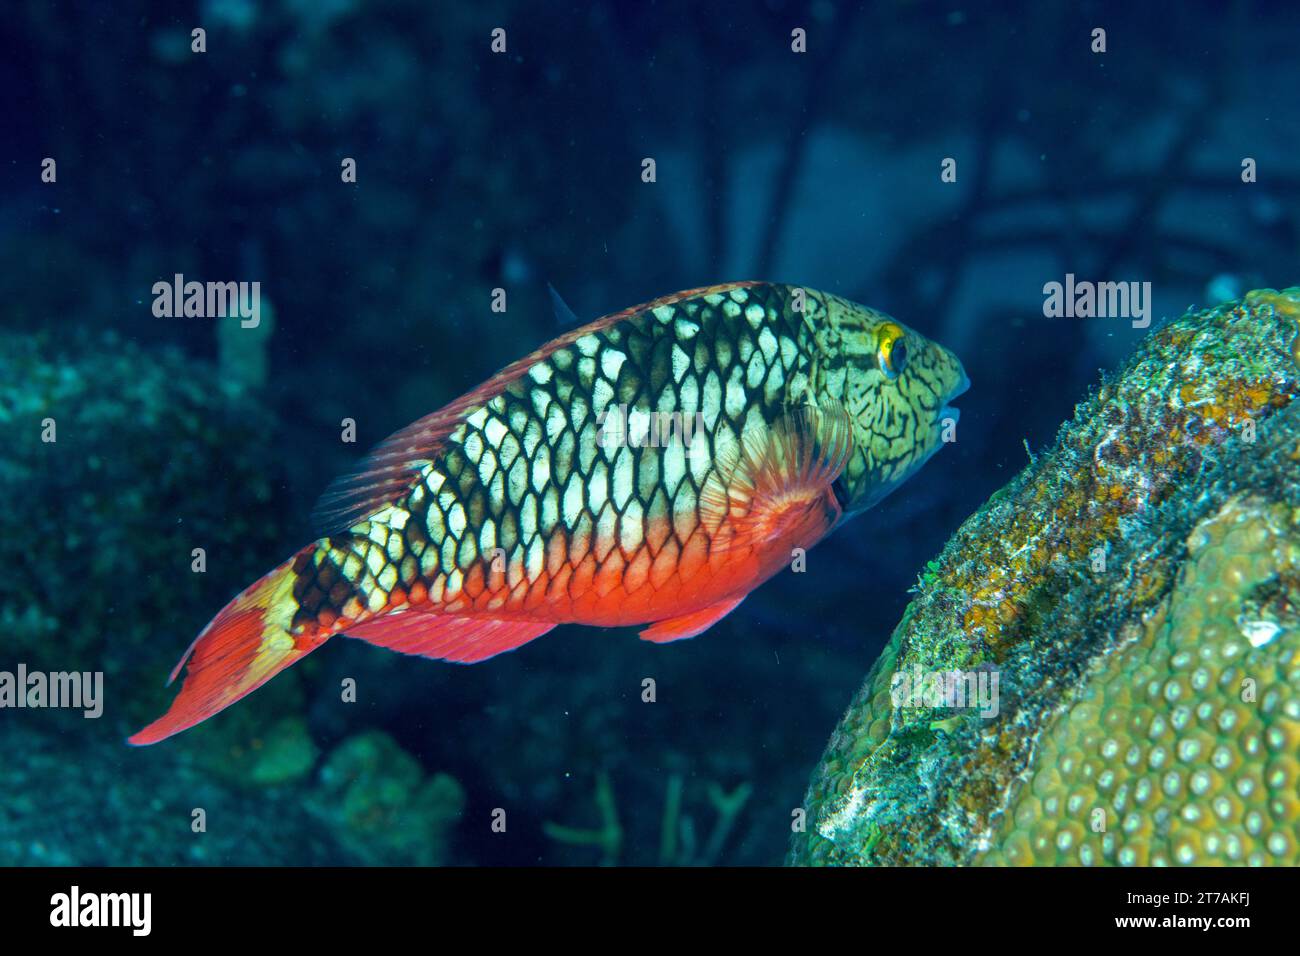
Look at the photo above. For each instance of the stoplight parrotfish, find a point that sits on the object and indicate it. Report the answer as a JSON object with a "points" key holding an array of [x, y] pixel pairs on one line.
{"points": [[751, 419]]}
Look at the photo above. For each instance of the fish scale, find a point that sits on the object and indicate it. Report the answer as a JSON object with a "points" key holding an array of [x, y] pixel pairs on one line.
{"points": [[650, 468], [528, 472]]}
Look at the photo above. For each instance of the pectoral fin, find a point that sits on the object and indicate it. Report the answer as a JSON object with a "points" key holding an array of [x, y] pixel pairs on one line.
{"points": [[775, 491], [689, 625]]}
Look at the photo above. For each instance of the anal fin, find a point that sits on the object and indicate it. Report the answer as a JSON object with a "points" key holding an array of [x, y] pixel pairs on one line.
{"points": [[689, 625], [462, 640]]}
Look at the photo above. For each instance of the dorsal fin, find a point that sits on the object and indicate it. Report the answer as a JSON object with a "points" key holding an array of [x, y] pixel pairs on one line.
{"points": [[388, 470]]}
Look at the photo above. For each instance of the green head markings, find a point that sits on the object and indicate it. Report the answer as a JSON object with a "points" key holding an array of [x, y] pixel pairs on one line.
{"points": [[896, 385]]}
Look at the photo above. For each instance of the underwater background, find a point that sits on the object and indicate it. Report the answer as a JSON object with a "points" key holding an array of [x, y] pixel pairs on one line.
{"points": [[478, 171]]}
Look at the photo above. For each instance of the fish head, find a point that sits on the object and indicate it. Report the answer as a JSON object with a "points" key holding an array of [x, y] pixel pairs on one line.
{"points": [[896, 385]]}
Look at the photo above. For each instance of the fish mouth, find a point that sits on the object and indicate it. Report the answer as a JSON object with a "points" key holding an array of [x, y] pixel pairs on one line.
{"points": [[948, 410]]}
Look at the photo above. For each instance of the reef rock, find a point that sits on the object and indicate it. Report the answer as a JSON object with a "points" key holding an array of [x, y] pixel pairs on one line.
{"points": [[383, 807], [108, 467], [1135, 592]]}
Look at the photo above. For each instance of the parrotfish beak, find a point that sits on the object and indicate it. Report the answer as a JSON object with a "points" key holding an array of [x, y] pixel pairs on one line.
{"points": [[948, 411]]}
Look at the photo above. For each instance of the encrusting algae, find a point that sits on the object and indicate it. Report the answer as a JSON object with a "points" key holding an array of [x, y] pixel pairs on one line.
{"points": [[1136, 591]]}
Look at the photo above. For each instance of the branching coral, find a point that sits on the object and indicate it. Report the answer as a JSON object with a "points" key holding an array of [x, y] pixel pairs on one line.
{"points": [[678, 844]]}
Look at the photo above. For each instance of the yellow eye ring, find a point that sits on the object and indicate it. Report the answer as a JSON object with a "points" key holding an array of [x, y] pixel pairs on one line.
{"points": [[891, 350]]}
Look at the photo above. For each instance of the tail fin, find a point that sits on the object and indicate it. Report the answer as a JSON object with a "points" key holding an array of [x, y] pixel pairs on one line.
{"points": [[242, 648]]}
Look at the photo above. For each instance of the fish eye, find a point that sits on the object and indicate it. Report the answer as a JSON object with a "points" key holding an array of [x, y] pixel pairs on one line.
{"points": [[891, 353]]}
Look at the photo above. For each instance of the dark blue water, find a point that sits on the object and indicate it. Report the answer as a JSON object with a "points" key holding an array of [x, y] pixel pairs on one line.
{"points": [[478, 170]]}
